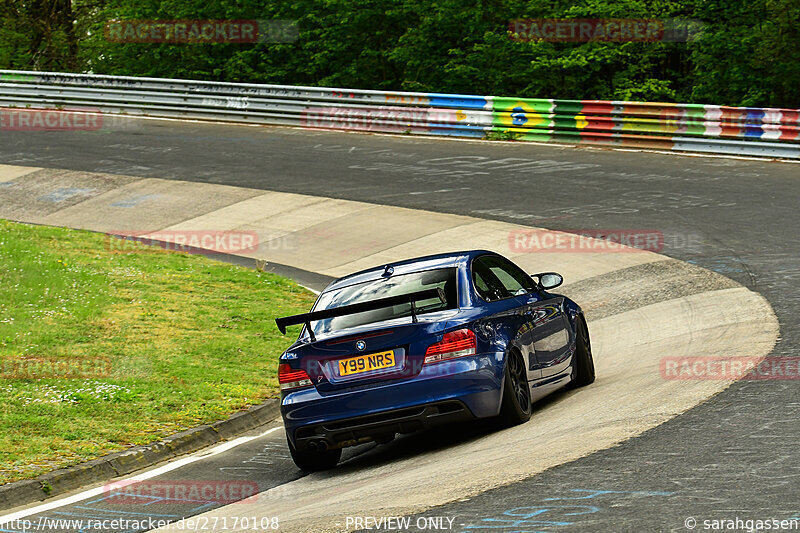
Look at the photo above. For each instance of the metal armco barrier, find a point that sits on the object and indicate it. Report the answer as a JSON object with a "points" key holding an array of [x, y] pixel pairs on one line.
{"points": [[766, 132]]}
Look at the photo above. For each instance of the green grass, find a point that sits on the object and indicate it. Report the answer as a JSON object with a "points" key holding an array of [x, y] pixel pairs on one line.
{"points": [[166, 341]]}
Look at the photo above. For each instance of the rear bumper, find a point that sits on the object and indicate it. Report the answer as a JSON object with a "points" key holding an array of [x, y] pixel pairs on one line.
{"points": [[450, 391], [352, 431]]}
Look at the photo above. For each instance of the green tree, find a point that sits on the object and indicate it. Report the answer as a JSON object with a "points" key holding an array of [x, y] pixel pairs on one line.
{"points": [[747, 54]]}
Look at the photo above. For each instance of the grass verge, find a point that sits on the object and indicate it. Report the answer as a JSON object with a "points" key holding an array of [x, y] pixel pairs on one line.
{"points": [[102, 348]]}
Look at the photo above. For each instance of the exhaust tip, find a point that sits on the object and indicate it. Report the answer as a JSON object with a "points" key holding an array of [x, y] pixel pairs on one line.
{"points": [[318, 445]]}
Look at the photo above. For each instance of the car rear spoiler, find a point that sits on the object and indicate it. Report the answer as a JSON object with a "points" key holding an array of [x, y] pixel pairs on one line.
{"points": [[382, 303]]}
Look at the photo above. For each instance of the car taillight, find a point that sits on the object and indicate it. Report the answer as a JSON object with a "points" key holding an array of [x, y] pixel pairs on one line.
{"points": [[454, 344], [290, 378]]}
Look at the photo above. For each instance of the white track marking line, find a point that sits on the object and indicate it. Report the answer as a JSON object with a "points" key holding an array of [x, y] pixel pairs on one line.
{"points": [[147, 475], [310, 289]]}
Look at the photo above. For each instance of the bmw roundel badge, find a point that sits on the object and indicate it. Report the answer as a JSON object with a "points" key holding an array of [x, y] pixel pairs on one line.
{"points": [[361, 346]]}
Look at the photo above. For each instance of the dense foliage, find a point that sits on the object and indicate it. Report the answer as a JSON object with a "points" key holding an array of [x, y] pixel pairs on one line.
{"points": [[747, 54]]}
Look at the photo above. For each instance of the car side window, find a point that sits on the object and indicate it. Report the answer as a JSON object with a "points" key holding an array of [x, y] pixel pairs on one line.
{"points": [[512, 277], [486, 283], [497, 279], [510, 284]]}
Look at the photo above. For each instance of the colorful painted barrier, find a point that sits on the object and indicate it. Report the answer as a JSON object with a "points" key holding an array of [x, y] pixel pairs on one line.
{"points": [[748, 131], [623, 121]]}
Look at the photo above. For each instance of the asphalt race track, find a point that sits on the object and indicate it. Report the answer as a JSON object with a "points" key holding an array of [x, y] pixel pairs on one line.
{"points": [[733, 456]]}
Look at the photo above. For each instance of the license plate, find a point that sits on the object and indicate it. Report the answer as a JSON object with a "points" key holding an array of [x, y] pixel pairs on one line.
{"points": [[365, 363]]}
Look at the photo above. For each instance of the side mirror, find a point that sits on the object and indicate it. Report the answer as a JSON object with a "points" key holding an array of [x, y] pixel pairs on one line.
{"points": [[548, 280]]}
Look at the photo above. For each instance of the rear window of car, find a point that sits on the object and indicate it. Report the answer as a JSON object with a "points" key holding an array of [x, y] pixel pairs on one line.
{"points": [[442, 278]]}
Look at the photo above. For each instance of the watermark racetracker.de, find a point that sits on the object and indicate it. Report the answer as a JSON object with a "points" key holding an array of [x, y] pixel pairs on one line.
{"points": [[170, 492], [618, 240], [145, 523], [730, 368], [615, 30], [53, 119], [192, 241], [585, 240], [55, 368], [201, 31]]}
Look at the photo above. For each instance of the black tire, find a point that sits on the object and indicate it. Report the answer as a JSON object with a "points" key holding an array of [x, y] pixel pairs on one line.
{"points": [[583, 362], [312, 460], [516, 407]]}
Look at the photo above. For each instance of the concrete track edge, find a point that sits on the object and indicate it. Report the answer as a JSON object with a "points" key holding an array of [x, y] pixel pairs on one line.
{"points": [[671, 309]]}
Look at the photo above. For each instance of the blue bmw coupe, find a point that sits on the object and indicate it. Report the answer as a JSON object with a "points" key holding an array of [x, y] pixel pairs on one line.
{"points": [[426, 341]]}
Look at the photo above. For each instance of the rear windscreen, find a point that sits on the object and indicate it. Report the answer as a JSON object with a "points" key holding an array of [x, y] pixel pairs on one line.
{"points": [[443, 278]]}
